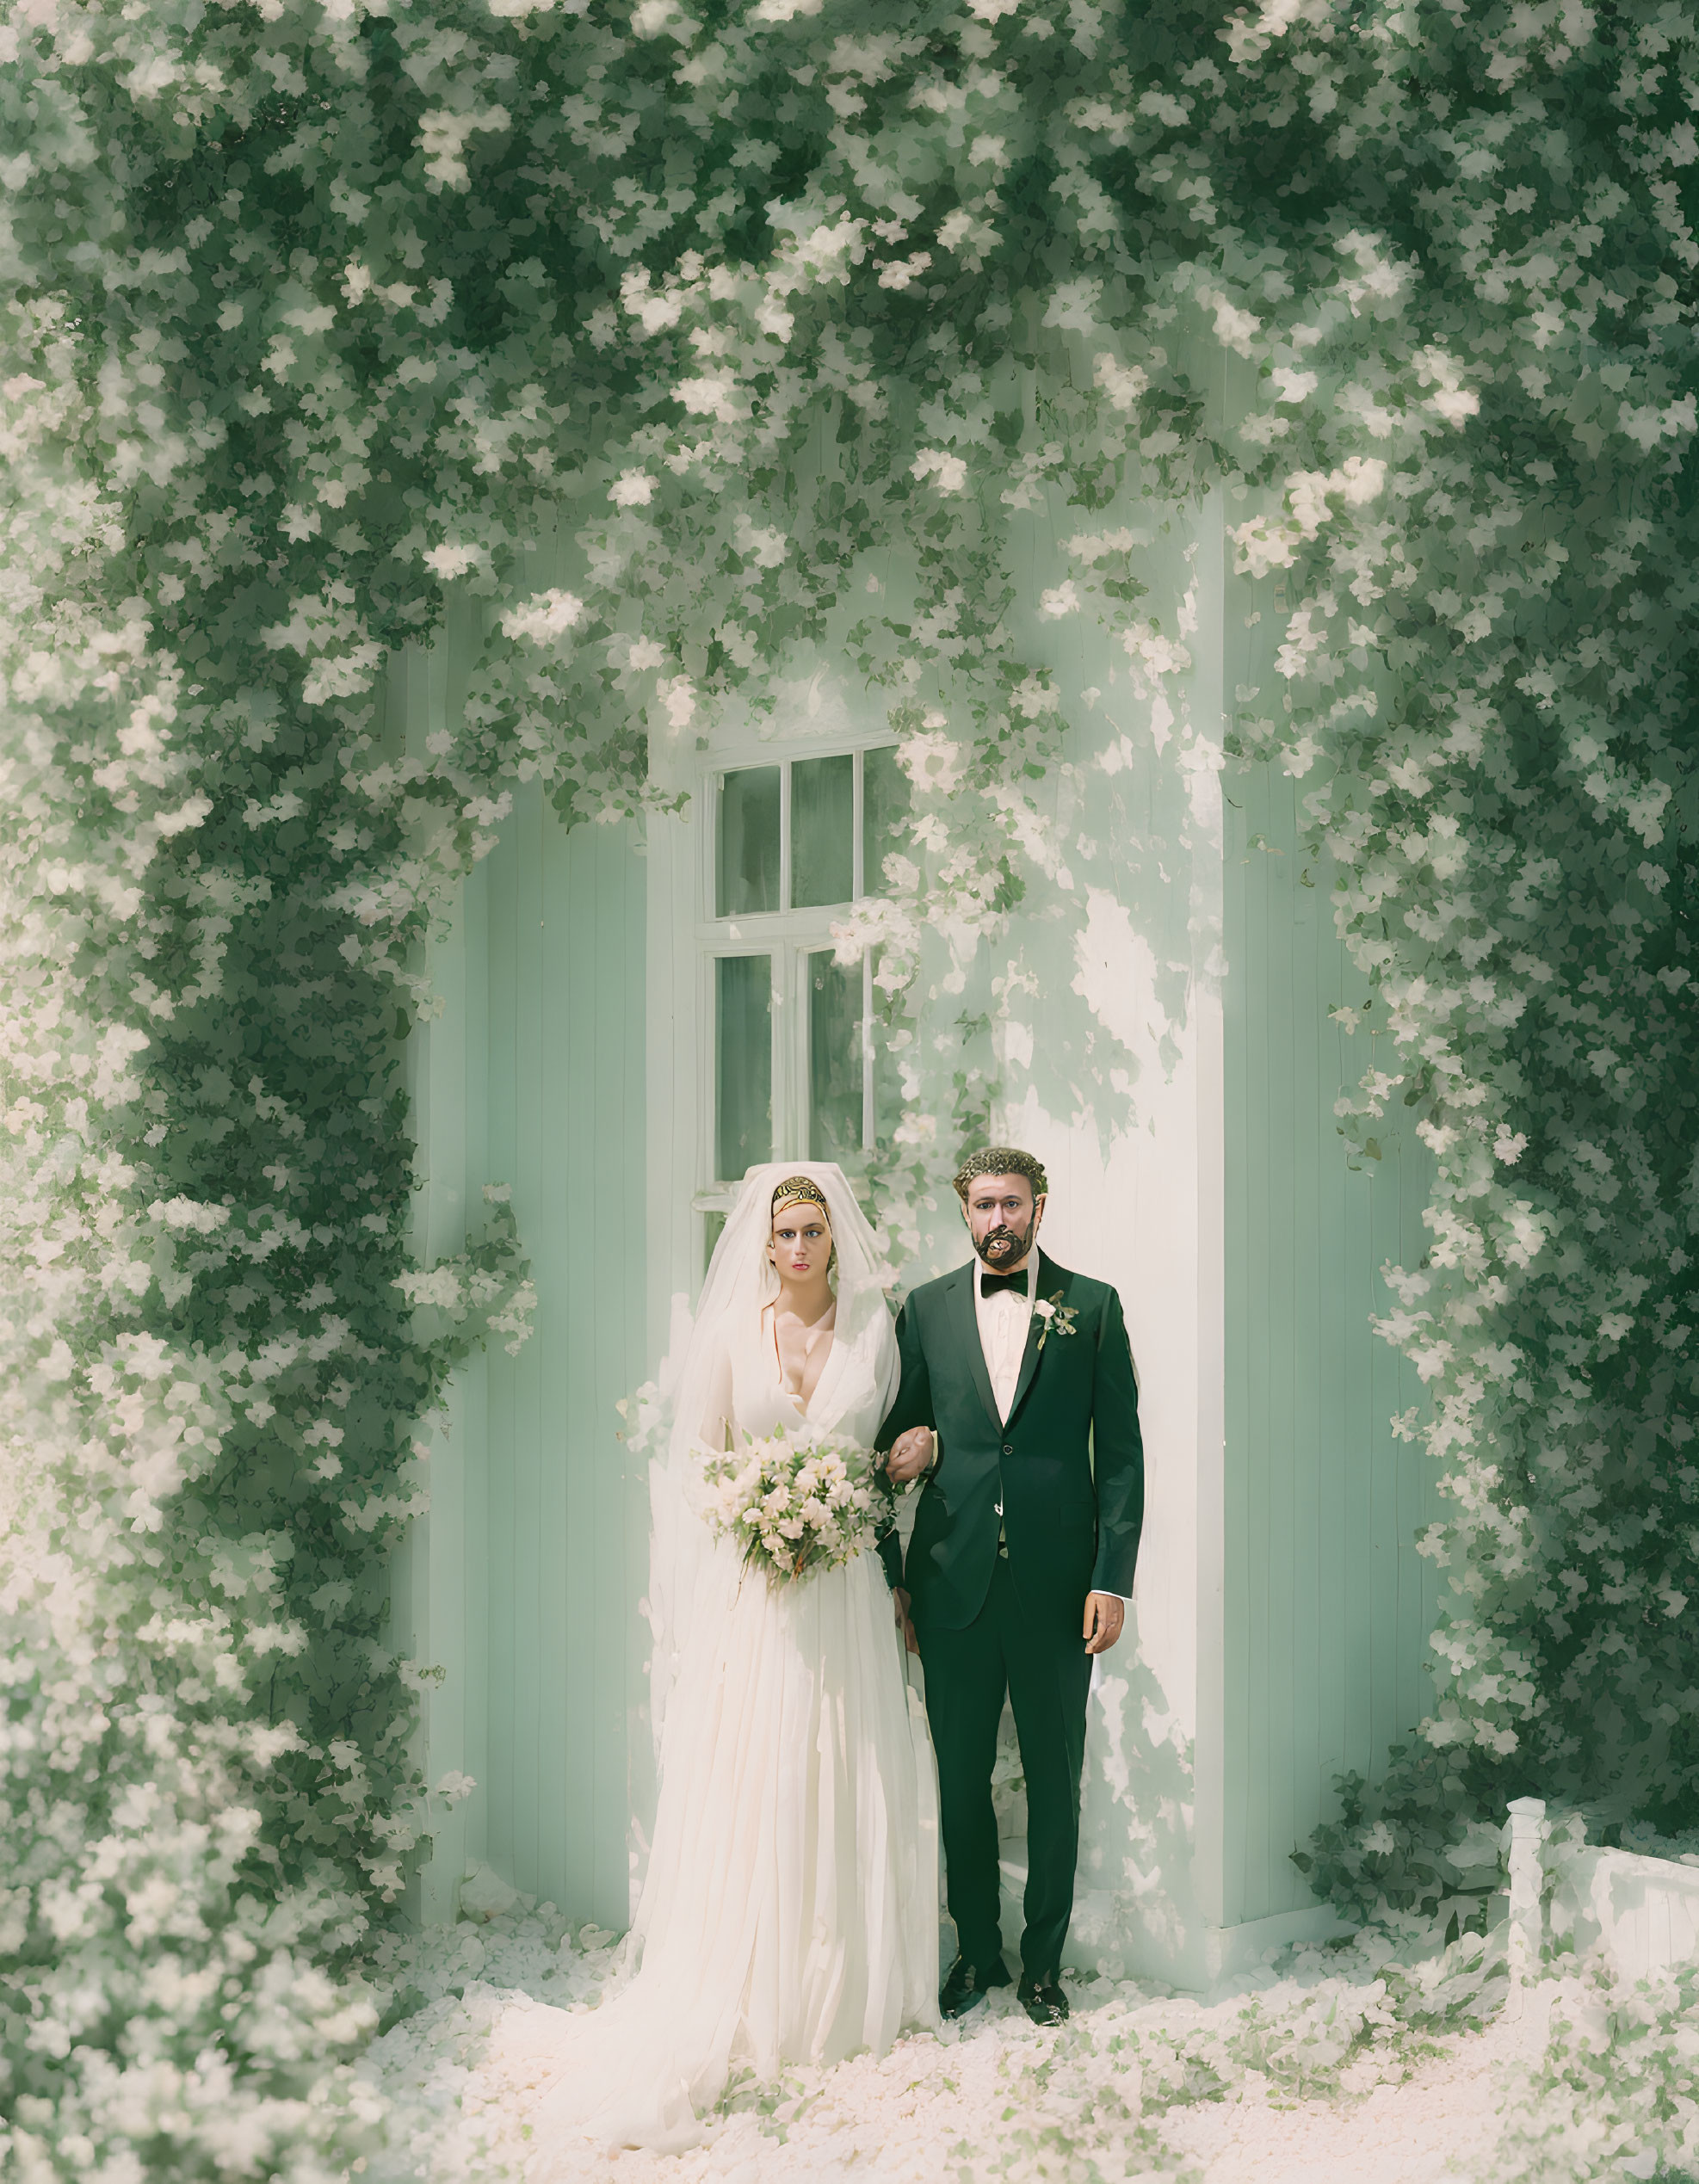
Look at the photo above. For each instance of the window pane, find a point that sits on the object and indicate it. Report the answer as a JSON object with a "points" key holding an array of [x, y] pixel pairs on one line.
{"points": [[743, 1064], [749, 845], [834, 1061], [885, 805], [822, 825]]}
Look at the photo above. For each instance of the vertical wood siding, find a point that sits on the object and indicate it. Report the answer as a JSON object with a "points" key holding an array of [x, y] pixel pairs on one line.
{"points": [[523, 1584], [567, 1535], [1327, 1605]]}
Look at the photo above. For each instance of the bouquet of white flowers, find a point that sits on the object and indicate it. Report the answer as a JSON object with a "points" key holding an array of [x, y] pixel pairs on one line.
{"points": [[796, 1504]]}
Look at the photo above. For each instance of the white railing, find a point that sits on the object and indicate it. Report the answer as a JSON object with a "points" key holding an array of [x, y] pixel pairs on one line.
{"points": [[1643, 1913]]}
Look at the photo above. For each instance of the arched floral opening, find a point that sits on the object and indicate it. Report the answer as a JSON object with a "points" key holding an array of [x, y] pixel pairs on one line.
{"points": [[312, 311]]}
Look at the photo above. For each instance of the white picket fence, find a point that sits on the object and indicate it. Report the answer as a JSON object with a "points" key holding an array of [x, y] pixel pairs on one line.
{"points": [[1643, 1913]]}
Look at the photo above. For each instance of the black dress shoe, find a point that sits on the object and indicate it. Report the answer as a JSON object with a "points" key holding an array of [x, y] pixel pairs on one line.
{"points": [[965, 1986], [1043, 2001]]}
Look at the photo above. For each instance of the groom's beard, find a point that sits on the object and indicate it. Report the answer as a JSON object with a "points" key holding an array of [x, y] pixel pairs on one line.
{"points": [[1003, 1246]]}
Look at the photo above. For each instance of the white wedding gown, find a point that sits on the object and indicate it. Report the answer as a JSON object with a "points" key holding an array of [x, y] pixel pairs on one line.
{"points": [[790, 1909]]}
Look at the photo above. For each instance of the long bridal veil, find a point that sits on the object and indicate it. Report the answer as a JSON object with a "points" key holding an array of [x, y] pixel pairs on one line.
{"points": [[789, 1908], [688, 1569]]}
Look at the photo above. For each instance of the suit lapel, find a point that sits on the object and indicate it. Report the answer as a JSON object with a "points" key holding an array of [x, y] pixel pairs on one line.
{"points": [[1051, 1276], [967, 1333]]}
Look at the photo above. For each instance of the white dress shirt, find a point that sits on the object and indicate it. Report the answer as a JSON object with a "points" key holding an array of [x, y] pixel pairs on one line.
{"points": [[1005, 1321]]}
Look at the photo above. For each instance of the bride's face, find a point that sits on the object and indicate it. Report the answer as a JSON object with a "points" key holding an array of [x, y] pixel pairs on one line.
{"points": [[801, 1245]]}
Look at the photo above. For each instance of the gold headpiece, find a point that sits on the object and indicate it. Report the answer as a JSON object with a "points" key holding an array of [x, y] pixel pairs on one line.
{"points": [[798, 1187]]}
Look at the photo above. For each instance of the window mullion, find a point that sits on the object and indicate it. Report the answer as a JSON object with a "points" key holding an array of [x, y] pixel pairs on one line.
{"points": [[784, 835], [869, 1118], [708, 1065], [858, 886], [708, 846], [791, 1025]]}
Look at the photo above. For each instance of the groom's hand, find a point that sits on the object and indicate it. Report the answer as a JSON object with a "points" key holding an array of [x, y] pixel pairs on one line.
{"points": [[899, 1601], [1104, 1617], [911, 1452]]}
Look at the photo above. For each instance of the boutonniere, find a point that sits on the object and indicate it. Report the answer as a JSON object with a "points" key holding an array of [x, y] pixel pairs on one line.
{"points": [[1054, 1314]]}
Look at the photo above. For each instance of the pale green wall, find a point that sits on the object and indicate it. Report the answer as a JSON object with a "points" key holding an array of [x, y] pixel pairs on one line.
{"points": [[522, 1586], [566, 1538], [1326, 1605]]}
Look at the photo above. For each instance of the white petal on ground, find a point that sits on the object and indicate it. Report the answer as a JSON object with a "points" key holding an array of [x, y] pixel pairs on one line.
{"points": [[1142, 2082]]}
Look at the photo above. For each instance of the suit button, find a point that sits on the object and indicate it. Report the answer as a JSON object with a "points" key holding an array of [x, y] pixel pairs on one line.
{"points": [[1008, 1448]]}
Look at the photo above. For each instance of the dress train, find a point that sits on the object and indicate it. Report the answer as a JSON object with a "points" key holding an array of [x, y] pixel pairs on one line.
{"points": [[790, 1913]]}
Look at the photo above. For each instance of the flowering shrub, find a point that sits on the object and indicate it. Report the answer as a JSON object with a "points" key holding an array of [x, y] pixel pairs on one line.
{"points": [[1488, 667], [317, 320]]}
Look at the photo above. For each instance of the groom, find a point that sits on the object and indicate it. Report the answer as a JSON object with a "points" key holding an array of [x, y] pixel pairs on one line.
{"points": [[1018, 1407]]}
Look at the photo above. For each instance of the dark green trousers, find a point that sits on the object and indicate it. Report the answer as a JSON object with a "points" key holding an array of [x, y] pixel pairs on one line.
{"points": [[1046, 1672]]}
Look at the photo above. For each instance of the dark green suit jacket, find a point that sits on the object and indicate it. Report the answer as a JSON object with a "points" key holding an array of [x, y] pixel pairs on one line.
{"points": [[1067, 1466]]}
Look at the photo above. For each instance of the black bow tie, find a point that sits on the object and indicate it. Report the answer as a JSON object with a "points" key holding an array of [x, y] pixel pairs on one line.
{"points": [[990, 1284]]}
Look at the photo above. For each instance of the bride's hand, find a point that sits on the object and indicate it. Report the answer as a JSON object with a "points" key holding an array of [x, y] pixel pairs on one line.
{"points": [[911, 1452], [899, 1601]]}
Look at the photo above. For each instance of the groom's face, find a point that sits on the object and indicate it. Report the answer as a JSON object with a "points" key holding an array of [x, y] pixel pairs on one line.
{"points": [[1001, 1219]]}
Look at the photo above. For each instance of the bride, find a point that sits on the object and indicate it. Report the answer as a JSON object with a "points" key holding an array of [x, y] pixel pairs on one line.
{"points": [[789, 1913]]}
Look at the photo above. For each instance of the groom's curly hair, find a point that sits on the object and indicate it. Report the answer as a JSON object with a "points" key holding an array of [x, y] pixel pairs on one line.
{"points": [[1001, 1160]]}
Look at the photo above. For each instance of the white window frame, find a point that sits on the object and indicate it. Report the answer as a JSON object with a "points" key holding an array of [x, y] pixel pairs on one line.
{"points": [[788, 937]]}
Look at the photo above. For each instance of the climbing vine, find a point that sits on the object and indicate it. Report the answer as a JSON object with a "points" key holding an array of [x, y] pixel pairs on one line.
{"points": [[323, 319]]}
